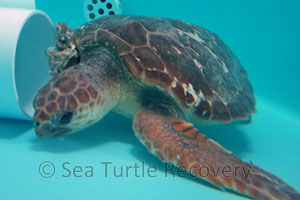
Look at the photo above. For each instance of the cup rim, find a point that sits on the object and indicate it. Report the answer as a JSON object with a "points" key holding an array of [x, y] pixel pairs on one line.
{"points": [[14, 55]]}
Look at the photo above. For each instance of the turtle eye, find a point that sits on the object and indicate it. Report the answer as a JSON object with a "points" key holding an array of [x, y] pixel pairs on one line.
{"points": [[66, 118]]}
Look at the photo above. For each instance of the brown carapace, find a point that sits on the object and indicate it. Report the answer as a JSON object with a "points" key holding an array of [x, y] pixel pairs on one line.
{"points": [[168, 76]]}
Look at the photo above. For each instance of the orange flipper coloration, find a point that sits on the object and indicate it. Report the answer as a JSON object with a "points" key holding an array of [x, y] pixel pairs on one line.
{"points": [[178, 142]]}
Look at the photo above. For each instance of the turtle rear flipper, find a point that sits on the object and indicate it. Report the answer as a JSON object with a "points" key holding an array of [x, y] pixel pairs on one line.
{"points": [[178, 142]]}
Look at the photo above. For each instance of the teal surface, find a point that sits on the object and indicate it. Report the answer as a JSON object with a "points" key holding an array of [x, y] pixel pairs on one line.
{"points": [[265, 37]]}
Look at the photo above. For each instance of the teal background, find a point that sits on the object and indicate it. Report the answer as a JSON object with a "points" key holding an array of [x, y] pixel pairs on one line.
{"points": [[265, 37]]}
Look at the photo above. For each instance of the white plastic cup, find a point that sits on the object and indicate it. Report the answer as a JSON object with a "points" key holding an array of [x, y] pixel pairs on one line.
{"points": [[25, 35], [25, 4]]}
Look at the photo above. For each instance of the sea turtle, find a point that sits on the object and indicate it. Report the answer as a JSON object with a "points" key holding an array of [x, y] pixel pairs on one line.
{"points": [[166, 75]]}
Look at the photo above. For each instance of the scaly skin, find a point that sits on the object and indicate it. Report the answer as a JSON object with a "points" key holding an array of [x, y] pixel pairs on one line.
{"points": [[62, 99], [80, 95], [178, 142], [87, 88]]}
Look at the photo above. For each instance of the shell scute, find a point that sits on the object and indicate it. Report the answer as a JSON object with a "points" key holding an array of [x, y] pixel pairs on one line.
{"points": [[147, 58], [154, 24], [158, 78], [220, 111], [132, 65], [178, 91], [131, 31], [191, 63], [114, 42]]}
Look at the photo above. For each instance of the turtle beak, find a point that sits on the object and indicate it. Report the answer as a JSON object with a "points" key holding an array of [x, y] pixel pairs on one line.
{"points": [[49, 130]]}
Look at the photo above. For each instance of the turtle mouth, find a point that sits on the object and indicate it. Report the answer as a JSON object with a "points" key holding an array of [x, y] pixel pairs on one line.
{"points": [[49, 130]]}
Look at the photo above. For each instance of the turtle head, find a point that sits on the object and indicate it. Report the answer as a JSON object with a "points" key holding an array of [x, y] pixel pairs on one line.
{"points": [[65, 54], [68, 103]]}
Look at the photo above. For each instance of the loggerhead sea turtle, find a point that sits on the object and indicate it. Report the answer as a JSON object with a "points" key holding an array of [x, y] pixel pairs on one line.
{"points": [[164, 74]]}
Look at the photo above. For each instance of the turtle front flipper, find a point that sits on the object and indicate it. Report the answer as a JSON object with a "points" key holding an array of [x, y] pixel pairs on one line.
{"points": [[178, 142]]}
